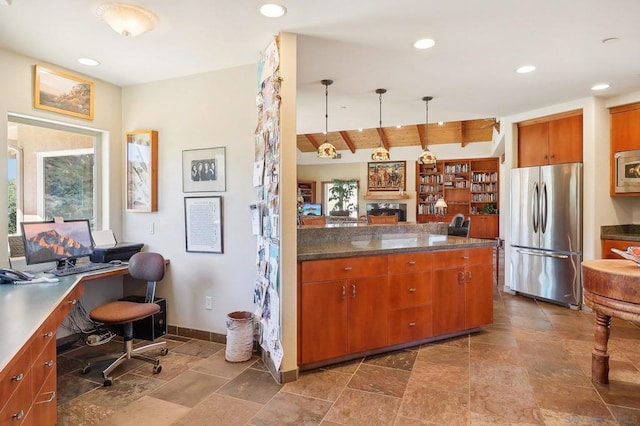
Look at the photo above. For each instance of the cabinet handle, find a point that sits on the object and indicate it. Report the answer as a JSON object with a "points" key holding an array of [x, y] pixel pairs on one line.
{"points": [[412, 290], [49, 363], [344, 291], [353, 291], [411, 262], [470, 278], [18, 416], [412, 324], [465, 257], [52, 396], [17, 377], [48, 334], [73, 302], [348, 268], [461, 277]]}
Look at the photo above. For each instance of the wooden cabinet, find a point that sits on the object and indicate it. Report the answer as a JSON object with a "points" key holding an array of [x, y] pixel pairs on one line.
{"points": [[468, 186], [307, 190], [625, 136], [343, 300], [550, 140], [607, 245]]}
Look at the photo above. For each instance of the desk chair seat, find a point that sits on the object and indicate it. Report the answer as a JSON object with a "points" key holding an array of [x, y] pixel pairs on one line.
{"points": [[145, 266]]}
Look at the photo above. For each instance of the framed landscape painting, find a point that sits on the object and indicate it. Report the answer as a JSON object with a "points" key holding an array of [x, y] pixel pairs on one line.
{"points": [[63, 93]]}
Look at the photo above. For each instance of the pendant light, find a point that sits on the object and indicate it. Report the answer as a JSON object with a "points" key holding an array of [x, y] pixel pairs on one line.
{"points": [[380, 153], [326, 150], [427, 157]]}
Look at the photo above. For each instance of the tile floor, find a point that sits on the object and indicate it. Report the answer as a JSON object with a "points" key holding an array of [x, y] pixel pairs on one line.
{"points": [[531, 367]]}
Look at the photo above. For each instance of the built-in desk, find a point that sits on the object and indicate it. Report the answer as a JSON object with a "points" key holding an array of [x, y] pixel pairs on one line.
{"points": [[29, 317]]}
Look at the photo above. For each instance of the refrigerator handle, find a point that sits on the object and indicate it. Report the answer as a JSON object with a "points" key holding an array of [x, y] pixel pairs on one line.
{"points": [[543, 208], [535, 211]]}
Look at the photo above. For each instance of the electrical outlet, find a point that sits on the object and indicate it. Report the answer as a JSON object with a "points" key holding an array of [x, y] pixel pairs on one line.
{"points": [[208, 303]]}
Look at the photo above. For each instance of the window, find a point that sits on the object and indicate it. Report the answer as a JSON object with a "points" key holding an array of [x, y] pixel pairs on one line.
{"points": [[340, 198], [51, 171]]}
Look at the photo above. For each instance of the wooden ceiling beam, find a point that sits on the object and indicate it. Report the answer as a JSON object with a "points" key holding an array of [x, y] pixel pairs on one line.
{"points": [[420, 129], [463, 135], [383, 138], [348, 141], [311, 140]]}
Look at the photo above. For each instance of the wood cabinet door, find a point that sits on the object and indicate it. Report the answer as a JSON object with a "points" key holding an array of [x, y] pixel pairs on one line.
{"points": [[625, 130], [478, 295], [565, 140], [408, 290], [533, 145], [448, 295], [44, 409], [410, 324], [607, 245], [323, 320], [484, 226], [368, 308]]}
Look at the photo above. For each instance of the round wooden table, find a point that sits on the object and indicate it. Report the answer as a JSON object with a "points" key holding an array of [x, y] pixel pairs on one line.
{"points": [[611, 289]]}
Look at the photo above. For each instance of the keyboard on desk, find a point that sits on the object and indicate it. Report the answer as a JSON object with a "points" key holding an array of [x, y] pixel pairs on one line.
{"points": [[80, 269]]}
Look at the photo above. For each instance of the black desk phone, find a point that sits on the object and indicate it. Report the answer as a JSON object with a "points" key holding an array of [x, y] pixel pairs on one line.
{"points": [[8, 276]]}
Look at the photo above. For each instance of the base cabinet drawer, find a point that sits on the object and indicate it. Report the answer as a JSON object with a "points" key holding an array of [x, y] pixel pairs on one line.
{"points": [[406, 325], [44, 408], [18, 405]]}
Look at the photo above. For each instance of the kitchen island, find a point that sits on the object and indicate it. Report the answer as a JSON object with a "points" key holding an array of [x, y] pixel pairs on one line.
{"points": [[364, 290]]}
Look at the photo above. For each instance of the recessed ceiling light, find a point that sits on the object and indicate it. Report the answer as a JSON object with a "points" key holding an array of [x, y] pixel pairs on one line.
{"points": [[424, 43], [600, 86], [526, 69], [272, 10], [399, 126], [89, 62], [440, 123], [360, 129]]}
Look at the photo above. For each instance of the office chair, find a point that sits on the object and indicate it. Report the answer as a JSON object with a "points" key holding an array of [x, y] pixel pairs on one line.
{"points": [[459, 226], [387, 219], [144, 266], [313, 220]]}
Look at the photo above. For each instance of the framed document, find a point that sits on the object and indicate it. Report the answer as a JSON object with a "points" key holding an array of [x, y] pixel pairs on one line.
{"points": [[142, 171], [203, 224]]}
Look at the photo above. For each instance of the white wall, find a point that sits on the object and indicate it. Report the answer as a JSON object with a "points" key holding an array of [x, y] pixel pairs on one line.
{"points": [[215, 109]]}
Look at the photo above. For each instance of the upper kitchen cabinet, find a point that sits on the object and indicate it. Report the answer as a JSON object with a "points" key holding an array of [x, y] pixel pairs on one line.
{"points": [[550, 140], [625, 143]]}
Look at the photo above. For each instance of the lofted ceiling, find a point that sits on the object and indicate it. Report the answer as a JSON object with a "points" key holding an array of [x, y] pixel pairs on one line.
{"points": [[362, 45]]}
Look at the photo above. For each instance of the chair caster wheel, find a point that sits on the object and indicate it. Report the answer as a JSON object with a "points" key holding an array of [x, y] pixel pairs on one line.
{"points": [[164, 351], [86, 369], [157, 369], [107, 382]]}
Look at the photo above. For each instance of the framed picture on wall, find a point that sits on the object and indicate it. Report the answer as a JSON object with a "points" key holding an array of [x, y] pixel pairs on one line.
{"points": [[142, 171], [203, 224], [63, 93], [203, 170], [386, 176]]}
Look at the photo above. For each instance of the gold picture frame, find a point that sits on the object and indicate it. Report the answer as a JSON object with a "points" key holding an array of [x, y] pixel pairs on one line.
{"points": [[386, 176], [142, 171], [63, 93]]}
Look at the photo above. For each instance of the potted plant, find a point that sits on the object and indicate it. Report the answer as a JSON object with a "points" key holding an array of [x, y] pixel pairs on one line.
{"points": [[341, 192]]}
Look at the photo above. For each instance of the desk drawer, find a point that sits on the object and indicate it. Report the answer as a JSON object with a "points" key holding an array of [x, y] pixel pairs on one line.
{"points": [[68, 303], [14, 374], [44, 365], [18, 404]]}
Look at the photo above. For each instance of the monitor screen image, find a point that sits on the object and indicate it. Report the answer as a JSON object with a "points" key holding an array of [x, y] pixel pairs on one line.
{"points": [[311, 209], [60, 242]]}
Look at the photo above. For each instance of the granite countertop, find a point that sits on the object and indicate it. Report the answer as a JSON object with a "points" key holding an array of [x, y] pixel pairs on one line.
{"points": [[620, 232], [387, 244]]}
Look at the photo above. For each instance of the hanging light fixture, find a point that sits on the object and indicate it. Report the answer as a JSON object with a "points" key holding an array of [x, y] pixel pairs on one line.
{"points": [[127, 19], [326, 150], [380, 153], [427, 157]]}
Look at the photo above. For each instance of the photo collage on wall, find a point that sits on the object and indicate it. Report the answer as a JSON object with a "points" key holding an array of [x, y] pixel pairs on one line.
{"points": [[266, 210]]}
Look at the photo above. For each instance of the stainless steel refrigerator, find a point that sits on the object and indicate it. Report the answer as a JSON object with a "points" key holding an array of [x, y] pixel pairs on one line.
{"points": [[546, 232]]}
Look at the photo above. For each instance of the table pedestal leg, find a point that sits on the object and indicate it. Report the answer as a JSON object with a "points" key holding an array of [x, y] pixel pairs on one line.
{"points": [[599, 356]]}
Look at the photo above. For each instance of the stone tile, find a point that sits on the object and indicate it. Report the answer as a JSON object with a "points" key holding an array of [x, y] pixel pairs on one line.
{"points": [[189, 388], [218, 366], [225, 410], [495, 354], [198, 348], [449, 355], [140, 411], [504, 408], [321, 384], [70, 386], [125, 390], [564, 419], [380, 380], [558, 371], [501, 338], [356, 407], [252, 385], [423, 402], [625, 416], [488, 381], [347, 367], [67, 364], [402, 360], [452, 378], [531, 323], [78, 412], [620, 393], [173, 364], [577, 400], [290, 409]]}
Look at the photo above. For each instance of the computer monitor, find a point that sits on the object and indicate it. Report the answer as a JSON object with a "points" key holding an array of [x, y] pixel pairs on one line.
{"points": [[60, 242], [311, 209]]}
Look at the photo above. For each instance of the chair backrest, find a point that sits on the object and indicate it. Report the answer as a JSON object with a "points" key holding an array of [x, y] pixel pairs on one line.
{"points": [[467, 225], [457, 221], [147, 266], [382, 219], [313, 220]]}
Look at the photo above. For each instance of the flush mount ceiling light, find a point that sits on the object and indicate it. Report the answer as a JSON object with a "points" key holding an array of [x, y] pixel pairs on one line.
{"points": [[380, 153], [526, 69], [88, 62], [127, 19], [272, 10], [326, 150], [424, 43], [600, 86], [427, 157]]}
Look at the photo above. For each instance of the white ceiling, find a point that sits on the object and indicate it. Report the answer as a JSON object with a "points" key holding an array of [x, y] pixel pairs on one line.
{"points": [[362, 45]]}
